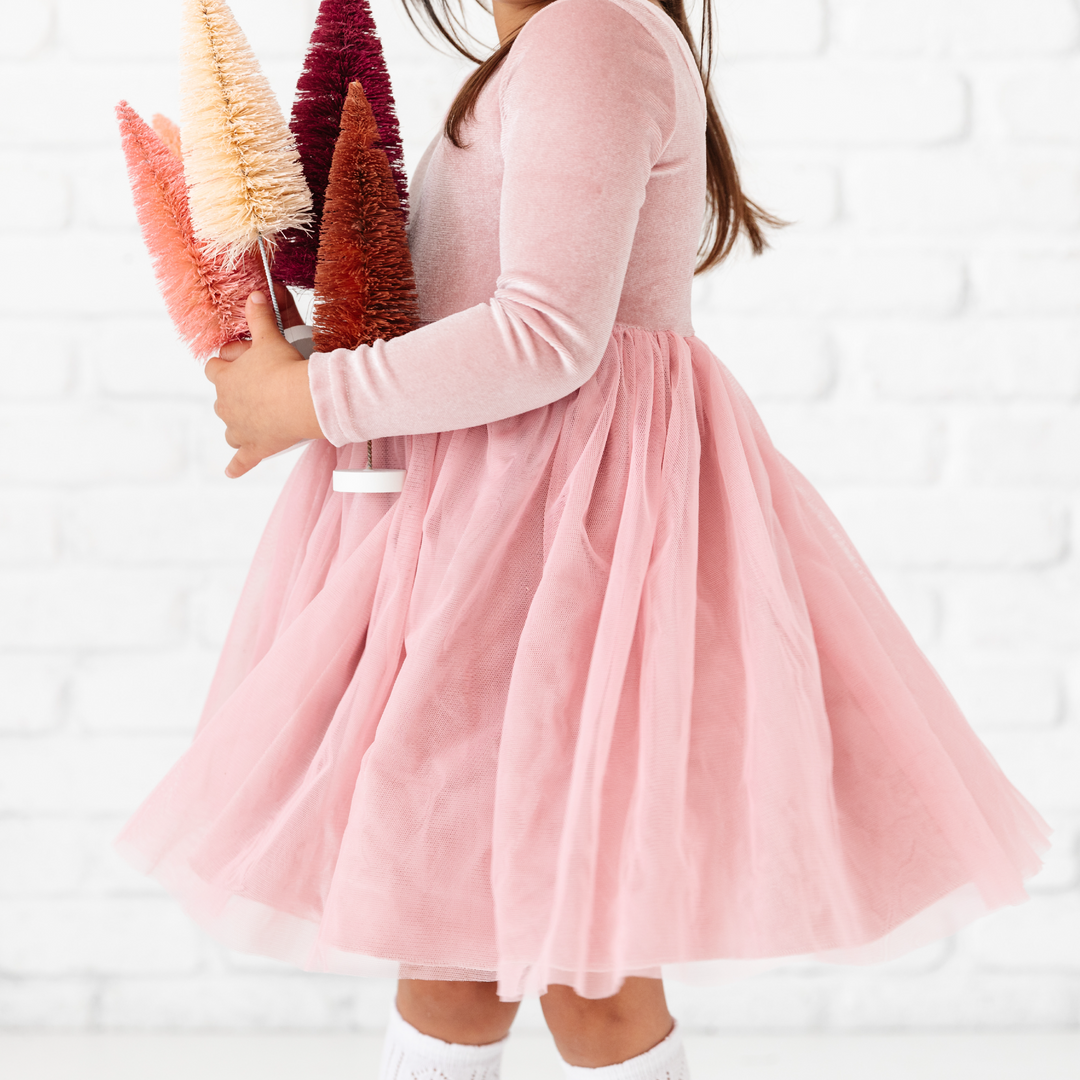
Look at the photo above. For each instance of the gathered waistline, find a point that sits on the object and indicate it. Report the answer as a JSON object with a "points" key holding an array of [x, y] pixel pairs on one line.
{"points": [[652, 329]]}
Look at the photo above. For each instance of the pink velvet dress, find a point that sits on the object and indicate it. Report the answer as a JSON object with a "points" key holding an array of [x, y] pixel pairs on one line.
{"points": [[605, 690]]}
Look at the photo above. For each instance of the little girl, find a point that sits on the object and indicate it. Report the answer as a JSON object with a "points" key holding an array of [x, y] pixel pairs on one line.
{"points": [[604, 694]]}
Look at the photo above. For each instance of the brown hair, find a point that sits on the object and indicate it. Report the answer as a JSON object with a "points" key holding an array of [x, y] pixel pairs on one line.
{"points": [[729, 211]]}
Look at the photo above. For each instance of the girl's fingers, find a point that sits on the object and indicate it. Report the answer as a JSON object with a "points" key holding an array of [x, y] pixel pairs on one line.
{"points": [[234, 350], [290, 314], [241, 463]]}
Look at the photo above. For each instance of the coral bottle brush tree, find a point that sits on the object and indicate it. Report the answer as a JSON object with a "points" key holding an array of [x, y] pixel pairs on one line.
{"points": [[204, 291]]}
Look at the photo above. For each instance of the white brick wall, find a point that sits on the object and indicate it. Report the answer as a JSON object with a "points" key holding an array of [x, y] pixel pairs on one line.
{"points": [[913, 343]]}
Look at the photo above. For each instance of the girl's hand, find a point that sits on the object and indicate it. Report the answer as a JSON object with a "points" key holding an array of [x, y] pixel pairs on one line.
{"points": [[262, 392], [290, 316]]}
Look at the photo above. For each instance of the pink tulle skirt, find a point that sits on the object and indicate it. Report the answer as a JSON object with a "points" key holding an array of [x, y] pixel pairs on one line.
{"points": [[604, 691]]}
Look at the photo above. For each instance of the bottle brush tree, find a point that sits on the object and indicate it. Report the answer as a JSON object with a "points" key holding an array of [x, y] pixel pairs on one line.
{"points": [[204, 291], [240, 159], [344, 49], [364, 285]]}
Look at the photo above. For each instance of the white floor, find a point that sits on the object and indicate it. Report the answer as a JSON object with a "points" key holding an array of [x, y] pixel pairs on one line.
{"points": [[1027, 1056]]}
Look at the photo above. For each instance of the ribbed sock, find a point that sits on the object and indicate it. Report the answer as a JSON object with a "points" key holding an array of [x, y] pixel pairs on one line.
{"points": [[409, 1054], [665, 1061]]}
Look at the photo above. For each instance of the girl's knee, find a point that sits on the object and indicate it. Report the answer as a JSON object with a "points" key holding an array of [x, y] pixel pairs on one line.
{"points": [[603, 1031], [461, 1012]]}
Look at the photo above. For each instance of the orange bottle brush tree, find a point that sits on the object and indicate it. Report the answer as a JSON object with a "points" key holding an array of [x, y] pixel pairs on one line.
{"points": [[364, 284]]}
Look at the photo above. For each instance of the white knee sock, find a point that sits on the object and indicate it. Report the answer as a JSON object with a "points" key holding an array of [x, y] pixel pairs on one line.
{"points": [[665, 1061], [409, 1054]]}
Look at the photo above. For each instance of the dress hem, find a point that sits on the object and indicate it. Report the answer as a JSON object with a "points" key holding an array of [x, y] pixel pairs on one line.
{"points": [[250, 926]]}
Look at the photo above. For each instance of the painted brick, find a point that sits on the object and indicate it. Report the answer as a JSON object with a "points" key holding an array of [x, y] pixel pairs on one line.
{"points": [[889, 27], [816, 282], [859, 127], [276, 29], [74, 101], [1061, 869], [954, 189], [213, 604], [965, 27], [843, 102], [134, 31], [1004, 694], [1036, 446], [28, 528], [954, 998], [35, 687], [771, 358], [1042, 763], [771, 28], [96, 274], [106, 873], [141, 358], [46, 1003], [1038, 934], [763, 1003], [927, 958], [321, 1002], [101, 192], [1039, 613], [962, 360], [89, 936], [40, 857], [1026, 283], [1042, 102], [89, 607], [1009, 28], [69, 775], [27, 28], [806, 194], [138, 31], [36, 194], [84, 443], [878, 445], [141, 691], [953, 528], [51, 371], [159, 526]]}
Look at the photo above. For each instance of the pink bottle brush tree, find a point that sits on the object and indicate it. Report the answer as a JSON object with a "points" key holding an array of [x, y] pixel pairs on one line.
{"points": [[204, 292]]}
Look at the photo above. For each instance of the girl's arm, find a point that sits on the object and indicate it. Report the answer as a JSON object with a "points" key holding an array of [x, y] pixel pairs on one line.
{"points": [[587, 107]]}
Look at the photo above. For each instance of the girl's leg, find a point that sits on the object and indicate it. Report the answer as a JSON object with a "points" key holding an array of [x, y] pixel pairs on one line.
{"points": [[632, 1030], [456, 1012], [450, 1030], [458, 1029]]}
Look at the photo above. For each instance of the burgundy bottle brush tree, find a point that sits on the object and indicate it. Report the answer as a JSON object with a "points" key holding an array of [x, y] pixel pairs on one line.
{"points": [[344, 49]]}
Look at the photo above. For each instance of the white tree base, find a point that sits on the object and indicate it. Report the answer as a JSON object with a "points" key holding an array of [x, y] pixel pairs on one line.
{"points": [[301, 339], [369, 480]]}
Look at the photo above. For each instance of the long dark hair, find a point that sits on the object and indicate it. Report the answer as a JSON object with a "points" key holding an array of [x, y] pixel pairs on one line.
{"points": [[729, 211]]}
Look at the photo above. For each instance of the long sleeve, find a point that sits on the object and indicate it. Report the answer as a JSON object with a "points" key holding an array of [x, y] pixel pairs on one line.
{"points": [[586, 105]]}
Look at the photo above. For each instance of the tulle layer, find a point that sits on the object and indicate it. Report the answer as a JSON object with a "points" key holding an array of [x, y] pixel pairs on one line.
{"points": [[604, 691]]}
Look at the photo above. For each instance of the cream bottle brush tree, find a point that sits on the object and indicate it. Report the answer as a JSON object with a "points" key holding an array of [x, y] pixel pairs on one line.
{"points": [[246, 183]]}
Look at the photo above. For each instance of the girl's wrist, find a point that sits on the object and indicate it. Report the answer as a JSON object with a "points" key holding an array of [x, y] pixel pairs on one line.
{"points": [[301, 400]]}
